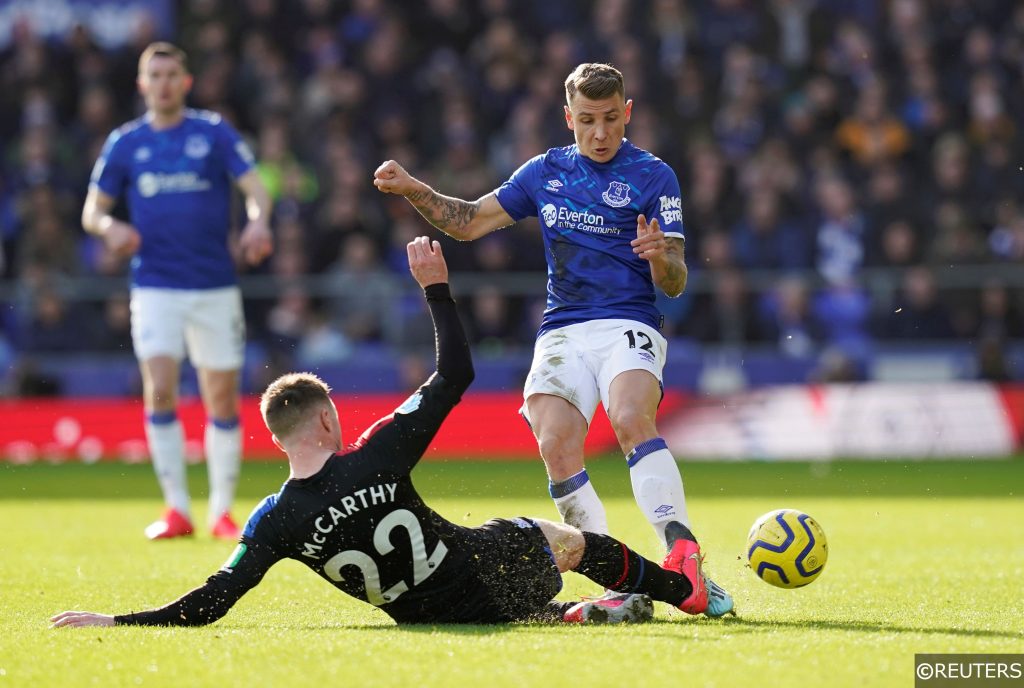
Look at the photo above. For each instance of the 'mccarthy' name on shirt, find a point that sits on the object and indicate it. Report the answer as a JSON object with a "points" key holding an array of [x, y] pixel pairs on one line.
{"points": [[349, 504], [563, 218]]}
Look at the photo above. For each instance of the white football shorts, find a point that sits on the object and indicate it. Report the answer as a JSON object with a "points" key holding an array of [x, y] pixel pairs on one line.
{"points": [[578, 362], [207, 323]]}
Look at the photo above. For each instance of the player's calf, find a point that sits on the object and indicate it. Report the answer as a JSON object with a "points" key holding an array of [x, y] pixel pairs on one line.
{"points": [[617, 568]]}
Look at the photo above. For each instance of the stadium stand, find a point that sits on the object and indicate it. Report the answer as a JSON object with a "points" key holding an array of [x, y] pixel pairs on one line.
{"points": [[851, 172]]}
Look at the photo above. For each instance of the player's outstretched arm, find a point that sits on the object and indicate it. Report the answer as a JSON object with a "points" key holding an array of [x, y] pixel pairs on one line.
{"points": [[81, 619], [459, 219], [400, 440], [428, 267], [121, 238], [665, 254], [203, 605]]}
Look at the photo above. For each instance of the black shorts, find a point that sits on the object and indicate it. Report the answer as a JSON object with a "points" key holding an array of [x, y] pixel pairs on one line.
{"points": [[498, 572], [516, 570]]}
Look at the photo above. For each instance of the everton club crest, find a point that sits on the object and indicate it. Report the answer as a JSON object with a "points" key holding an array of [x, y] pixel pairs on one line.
{"points": [[197, 146], [617, 194]]}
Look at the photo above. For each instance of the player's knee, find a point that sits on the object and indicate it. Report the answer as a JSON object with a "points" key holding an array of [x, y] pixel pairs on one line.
{"points": [[561, 453], [631, 427], [161, 396], [224, 407], [221, 393]]}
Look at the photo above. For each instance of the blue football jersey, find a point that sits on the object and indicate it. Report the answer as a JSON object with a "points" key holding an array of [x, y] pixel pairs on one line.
{"points": [[588, 214], [178, 186]]}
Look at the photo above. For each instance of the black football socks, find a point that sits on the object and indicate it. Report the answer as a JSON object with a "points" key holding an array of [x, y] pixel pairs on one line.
{"points": [[611, 564], [677, 531]]}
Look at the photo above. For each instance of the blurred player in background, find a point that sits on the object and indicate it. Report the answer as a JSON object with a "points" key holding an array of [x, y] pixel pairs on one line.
{"points": [[354, 517], [599, 339], [175, 166]]}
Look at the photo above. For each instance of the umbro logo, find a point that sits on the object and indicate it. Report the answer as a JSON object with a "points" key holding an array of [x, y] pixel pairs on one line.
{"points": [[664, 510], [552, 185]]}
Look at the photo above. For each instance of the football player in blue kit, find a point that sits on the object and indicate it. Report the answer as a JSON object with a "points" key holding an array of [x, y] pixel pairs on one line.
{"points": [[612, 226], [176, 166], [353, 516]]}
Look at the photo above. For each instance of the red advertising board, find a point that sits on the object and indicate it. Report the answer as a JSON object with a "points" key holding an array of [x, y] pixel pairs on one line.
{"points": [[484, 425]]}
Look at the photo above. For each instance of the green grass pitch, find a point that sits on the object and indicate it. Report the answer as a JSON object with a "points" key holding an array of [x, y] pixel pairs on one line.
{"points": [[924, 557]]}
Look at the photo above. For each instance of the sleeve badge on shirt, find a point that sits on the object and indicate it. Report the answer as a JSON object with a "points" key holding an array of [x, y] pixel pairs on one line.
{"points": [[617, 194], [245, 153], [235, 557], [671, 209], [410, 404]]}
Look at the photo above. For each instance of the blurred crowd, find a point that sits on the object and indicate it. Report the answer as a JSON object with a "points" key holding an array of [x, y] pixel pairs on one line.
{"points": [[815, 142]]}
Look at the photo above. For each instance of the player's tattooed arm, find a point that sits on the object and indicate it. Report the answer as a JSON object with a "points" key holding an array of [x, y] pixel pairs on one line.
{"points": [[670, 273], [450, 215], [665, 255], [459, 219]]}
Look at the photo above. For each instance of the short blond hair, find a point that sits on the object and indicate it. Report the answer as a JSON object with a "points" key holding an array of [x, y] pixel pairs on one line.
{"points": [[162, 49], [289, 399], [594, 80]]}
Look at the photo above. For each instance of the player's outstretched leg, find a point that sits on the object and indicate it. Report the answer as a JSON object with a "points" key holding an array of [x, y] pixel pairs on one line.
{"points": [[616, 567], [684, 556]]}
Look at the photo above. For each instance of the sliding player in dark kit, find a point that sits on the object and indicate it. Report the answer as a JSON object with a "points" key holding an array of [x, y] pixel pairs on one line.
{"points": [[353, 516]]}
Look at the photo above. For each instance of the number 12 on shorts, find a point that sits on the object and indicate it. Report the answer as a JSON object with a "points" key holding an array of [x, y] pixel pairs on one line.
{"points": [[647, 344]]}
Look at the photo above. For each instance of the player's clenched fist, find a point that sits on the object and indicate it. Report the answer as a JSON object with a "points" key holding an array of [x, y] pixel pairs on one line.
{"points": [[426, 263], [391, 177], [121, 239], [256, 242]]}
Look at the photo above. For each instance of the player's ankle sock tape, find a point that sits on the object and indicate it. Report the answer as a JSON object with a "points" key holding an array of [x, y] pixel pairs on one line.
{"points": [[610, 563], [162, 417], [643, 449], [566, 487], [225, 423]]}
